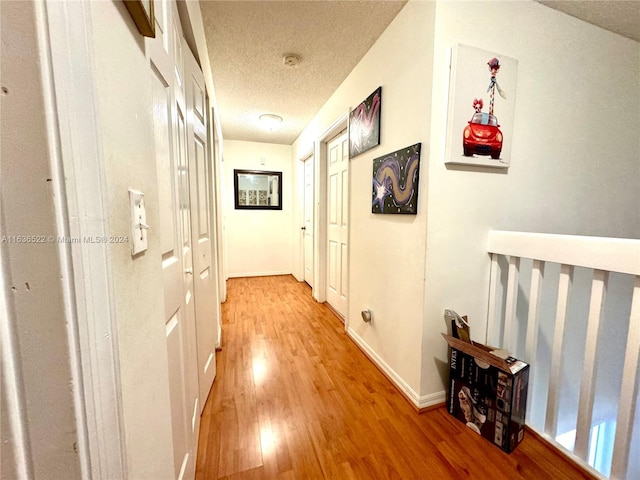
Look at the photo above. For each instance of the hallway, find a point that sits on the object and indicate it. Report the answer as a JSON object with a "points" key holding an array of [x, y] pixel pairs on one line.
{"points": [[295, 398]]}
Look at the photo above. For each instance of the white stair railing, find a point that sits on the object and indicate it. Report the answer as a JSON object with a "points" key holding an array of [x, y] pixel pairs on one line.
{"points": [[603, 256]]}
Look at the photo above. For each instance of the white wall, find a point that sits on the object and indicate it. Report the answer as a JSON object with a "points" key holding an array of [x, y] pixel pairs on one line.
{"points": [[38, 386], [123, 89], [387, 252], [574, 167], [575, 162], [258, 242]]}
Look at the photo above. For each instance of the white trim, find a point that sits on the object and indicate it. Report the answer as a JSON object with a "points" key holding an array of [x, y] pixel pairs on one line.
{"points": [[555, 375], [335, 128], [418, 401], [79, 181], [512, 304], [260, 274], [601, 253], [46, 42], [319, 289], [535, 298], [628, 390], [589, 368], [307, 154], [213, 218], [492, 334], [432, 399], [12, 383]]}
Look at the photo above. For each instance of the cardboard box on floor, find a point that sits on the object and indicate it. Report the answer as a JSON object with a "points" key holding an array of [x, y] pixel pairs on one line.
{"points": [[487, 393]]}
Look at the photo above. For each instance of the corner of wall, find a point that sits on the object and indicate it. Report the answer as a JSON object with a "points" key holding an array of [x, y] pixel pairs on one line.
{"points": [[551, 176]]}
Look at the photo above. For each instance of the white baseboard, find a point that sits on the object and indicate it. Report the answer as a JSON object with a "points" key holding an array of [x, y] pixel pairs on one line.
{"points": [[433, 399], [259, 274], [420, 402]]}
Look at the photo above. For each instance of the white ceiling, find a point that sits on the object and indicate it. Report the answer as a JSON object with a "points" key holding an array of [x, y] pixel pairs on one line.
{"points": [[248, 39]]}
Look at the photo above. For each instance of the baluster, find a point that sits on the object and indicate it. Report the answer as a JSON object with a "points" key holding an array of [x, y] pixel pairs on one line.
{"points": [[512, 303], [588, 384], [535, 296], [627, 405], [555, 376], [492, 324]]}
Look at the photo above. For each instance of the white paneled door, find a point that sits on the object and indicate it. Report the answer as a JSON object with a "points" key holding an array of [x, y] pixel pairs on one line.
{"points": [[308, 220], [203, 266], [337, 217], [175, 233]]}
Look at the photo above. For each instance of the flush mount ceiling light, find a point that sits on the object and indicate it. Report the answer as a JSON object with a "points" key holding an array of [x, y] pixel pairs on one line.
{"points": [[270, 121]]}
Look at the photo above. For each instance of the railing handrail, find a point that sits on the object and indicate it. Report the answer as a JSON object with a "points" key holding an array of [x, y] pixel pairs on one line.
{"points": [[602, 253]]}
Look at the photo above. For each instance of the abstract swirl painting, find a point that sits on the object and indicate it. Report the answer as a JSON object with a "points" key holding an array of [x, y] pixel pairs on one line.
{"points": [[364, 124], [395, 181]]}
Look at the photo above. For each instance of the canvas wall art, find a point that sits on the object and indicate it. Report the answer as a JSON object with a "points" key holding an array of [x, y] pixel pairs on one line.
{"points": [[395, 181], [482, 93], [364, 124]]}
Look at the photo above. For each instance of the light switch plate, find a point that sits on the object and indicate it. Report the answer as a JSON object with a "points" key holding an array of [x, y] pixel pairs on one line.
{"points": [[139, 225]]}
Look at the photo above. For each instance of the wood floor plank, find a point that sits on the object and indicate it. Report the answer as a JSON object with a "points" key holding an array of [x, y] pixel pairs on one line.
{"points": [[295, 399]]}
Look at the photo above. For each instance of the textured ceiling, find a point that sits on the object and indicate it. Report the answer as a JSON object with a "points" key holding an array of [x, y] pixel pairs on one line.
{"points": [[247, 41], [621, 17]]}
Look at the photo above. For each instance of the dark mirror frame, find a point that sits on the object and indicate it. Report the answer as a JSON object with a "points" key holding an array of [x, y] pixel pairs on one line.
{"points": [[236, 191]]}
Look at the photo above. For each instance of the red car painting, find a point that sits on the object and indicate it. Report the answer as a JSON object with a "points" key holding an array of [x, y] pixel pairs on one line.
{"points": [[482, 136]]}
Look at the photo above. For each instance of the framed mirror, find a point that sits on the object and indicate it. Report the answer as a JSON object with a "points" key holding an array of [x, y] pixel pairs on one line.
{"points": [[257, 190]]}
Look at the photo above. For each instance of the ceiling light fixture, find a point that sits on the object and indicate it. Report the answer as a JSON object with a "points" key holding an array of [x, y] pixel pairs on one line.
{"points": [[270, 121]]}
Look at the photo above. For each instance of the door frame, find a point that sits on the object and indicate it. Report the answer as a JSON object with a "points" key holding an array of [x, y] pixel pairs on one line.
{"points": [[319, 291], [214, 192], [81, 212]]}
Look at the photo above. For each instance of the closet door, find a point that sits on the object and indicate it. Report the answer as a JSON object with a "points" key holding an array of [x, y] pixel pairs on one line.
{"points": [[204, 268], [175, 232]]}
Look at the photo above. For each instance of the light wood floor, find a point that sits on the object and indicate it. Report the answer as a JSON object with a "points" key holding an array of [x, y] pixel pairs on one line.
{"points": [[294, 398]]}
